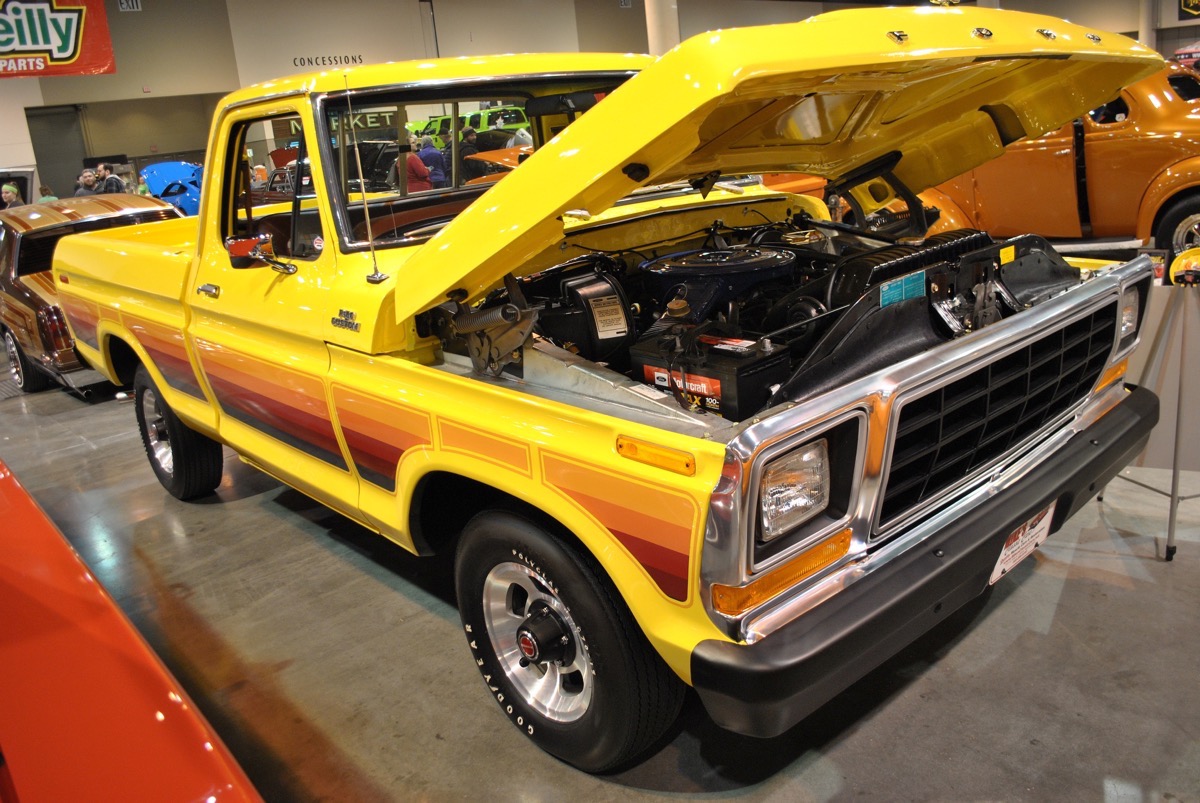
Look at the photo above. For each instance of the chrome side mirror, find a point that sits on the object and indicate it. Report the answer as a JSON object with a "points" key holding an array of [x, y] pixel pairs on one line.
{"points": [[244, 252]]}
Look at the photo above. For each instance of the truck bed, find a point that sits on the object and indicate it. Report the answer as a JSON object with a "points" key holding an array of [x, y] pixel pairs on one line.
{"points": [[152, 259]]}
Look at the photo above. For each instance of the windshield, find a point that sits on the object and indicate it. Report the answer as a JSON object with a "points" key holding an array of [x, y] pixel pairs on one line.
{"points": [[401, 163]]}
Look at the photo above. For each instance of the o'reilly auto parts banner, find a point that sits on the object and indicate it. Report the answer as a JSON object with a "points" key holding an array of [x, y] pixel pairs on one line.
{"points": [[54, 37]]}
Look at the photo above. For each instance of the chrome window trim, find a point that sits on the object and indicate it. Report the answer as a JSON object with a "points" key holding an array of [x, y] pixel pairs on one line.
{"points": [[319, 102], [264, 100]]}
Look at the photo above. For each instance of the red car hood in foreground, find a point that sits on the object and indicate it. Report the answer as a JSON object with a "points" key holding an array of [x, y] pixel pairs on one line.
{"points": [[87, 711]]}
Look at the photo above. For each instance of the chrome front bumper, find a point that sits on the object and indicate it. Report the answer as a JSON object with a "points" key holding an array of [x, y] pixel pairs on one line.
{"points": [[764, 687]]}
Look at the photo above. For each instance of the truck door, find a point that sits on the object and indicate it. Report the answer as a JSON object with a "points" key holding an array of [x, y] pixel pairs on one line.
{"points": [[1031, 188], [257, 322]]}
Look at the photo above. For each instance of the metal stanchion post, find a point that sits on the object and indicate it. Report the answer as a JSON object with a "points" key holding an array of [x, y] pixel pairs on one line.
{"points": [[1189, 296], [1179, 310]]}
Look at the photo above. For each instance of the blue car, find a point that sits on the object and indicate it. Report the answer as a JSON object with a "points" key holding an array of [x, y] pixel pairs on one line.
{"points": [[177, 183]]}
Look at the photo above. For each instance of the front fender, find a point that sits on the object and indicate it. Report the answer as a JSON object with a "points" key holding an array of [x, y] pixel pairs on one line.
{"points": [[1177, 179], [160, 348], [673, 626]]}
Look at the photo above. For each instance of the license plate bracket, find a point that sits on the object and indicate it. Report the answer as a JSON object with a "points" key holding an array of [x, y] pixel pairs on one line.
{"points": [[1021, 543]]}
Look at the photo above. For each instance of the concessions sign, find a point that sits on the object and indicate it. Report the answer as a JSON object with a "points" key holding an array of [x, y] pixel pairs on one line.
{"points": [[54, 37]]}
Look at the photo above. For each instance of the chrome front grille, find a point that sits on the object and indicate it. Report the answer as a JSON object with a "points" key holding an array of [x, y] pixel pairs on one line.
{"points": [[949, 432]]}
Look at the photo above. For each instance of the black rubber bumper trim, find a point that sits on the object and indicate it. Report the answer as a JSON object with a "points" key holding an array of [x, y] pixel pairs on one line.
{"points": [[763, 689]]}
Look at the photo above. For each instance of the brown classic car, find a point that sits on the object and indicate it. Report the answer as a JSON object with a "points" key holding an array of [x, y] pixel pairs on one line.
{"points": [[1127, 169], [40, 349]]}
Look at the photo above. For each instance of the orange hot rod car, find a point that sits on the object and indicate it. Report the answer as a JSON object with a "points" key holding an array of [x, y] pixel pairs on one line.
{"points": [[1128, 168]]}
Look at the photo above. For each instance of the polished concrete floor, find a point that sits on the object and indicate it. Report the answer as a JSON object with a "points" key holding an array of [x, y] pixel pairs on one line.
{"points": [[333, 664]]}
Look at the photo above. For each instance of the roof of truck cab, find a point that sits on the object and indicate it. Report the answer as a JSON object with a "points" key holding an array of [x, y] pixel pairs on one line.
{"points": [[442, 70]]}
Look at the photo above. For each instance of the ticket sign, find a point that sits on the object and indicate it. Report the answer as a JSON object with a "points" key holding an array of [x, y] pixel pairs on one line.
{"points": [[54, 37]]}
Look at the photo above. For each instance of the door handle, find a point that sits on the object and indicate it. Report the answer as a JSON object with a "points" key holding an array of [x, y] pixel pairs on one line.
{"points": [[210, 290]]}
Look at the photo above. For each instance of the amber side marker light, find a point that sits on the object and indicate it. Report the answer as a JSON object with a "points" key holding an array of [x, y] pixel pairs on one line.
{"points": [[735, 600], [1112, 374], [654, 455]]}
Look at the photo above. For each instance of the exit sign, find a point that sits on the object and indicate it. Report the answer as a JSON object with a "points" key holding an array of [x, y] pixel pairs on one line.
{"points": [[129, 5]]}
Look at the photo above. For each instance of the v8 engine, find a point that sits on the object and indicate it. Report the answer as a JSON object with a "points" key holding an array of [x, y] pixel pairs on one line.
{"points": [[748, 318]]}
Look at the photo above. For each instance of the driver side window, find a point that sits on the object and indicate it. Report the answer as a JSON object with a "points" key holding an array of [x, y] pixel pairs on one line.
{"points": [[285, 206]]}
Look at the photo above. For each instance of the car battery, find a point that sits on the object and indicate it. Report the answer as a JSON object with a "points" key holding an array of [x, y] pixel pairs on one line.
{"points": [[731, 377]]}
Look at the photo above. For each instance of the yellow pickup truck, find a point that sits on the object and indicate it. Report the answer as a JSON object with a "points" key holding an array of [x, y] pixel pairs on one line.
{"points": [[675, 427]]}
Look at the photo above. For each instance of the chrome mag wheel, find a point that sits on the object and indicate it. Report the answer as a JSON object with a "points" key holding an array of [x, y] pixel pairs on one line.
{"points": [[537, 643]]}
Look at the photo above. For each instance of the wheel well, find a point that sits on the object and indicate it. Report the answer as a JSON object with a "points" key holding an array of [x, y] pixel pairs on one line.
{"points": [[124, 360], [1192, 193], [15, 333], [443, 503]]}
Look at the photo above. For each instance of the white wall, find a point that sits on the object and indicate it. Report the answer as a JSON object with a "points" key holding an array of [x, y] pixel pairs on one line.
{"points": [[698, 16], [1117, 17], [606, 27], [273, 38], [16, 95], [1168, 14], [485, 27], [150, 125], [171, 47], [200, 48]]}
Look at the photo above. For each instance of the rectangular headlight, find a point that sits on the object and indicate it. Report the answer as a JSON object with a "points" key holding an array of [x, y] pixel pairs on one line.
{"points": [[795, 487], [1130, 304]]}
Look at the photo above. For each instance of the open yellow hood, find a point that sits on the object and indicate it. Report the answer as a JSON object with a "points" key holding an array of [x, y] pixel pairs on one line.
{"points": [[931, 92]]}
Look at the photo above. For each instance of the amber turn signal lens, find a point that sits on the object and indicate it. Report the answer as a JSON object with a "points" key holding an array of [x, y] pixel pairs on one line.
{"points": [[1112, 374], [654, 455], [735, 600]]}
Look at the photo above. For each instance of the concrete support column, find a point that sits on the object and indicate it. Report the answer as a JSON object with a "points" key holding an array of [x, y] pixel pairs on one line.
{"points": [[1148, 23], [662, 25]]}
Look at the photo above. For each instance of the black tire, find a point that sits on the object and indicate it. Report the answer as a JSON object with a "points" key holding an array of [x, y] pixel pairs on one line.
{"points": [[187, 463], [597, 700], [27, 377], [1179, 227]]}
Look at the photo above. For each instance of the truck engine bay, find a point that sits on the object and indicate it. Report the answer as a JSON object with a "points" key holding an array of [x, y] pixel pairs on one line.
{"points": [[741, 318]]}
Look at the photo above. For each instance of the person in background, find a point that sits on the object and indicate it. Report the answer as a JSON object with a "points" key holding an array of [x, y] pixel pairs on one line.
{"points": [[10, 197], [108, 180], [432, 158], [46, 194], [471, 168], [143, 188], [417, 172], [87, 183]]}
